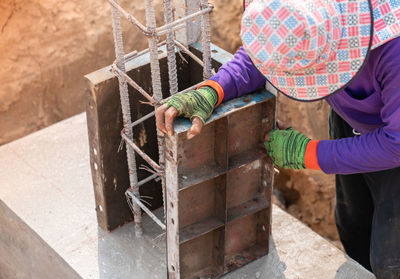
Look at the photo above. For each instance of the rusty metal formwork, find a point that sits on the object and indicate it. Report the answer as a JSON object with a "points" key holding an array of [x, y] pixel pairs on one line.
{"points": [[215, 188], [219, 190], [109, 167]]}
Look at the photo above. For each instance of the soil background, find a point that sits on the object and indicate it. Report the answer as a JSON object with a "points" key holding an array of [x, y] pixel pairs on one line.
{"points": [[47, 46]]}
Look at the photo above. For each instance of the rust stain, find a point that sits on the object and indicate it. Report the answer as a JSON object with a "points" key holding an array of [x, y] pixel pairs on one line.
{"points": [[142, 136]]}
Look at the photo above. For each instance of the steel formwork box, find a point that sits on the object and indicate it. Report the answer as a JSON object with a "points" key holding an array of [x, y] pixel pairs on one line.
{"points": [[109, 167], [219, 188], [219, 183]]}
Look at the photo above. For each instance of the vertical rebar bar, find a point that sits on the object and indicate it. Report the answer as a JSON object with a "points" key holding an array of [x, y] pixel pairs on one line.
{"points": [[206, 41], [172, 74], [156, 83], [126, 113]]}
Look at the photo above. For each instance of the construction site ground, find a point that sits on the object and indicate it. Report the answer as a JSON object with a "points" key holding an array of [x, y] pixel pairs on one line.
{"points": [[55, 43], [48, 226]]}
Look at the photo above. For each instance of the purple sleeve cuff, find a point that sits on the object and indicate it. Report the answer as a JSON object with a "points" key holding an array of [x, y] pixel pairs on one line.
{"points": [[369, 152], [239, 76]]}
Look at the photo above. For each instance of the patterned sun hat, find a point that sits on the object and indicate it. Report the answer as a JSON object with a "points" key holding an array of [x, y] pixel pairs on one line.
{"points": [[386, 21], [310, 49]]}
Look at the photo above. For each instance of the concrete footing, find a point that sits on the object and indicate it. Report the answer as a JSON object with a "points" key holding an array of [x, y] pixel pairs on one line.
{"points": [[48, 226]]}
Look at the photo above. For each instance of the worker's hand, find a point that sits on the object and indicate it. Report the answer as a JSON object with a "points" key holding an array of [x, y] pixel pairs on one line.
{"points": [[286, 147], [197, 105]]}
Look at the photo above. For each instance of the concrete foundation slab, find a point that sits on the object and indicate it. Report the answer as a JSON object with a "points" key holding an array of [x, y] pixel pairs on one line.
{"points": [[46, 187]]}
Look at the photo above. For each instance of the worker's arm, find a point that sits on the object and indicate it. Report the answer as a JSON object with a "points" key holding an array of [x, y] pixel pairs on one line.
{"points": [[377, 150], [374, 151], [236, 78]]}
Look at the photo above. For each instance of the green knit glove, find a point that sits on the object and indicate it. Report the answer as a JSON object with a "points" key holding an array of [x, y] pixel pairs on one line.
{"points": [[200, 103], [287, 148]]}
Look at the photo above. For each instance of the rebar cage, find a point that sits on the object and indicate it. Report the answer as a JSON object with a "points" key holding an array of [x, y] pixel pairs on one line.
{"points": [[152, 32]]}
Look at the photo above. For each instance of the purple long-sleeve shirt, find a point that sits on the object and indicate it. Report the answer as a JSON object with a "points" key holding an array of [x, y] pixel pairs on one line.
{"points": [[370, 104]]}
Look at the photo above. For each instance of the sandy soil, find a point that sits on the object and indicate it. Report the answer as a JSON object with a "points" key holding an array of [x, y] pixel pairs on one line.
{"points": [[47, 46]]}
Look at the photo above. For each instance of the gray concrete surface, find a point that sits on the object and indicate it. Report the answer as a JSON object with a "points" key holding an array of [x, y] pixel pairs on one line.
{"points": [[46, 181], [18, 244]]}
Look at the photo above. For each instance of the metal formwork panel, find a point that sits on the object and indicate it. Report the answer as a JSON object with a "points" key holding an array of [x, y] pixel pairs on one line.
{"points": [[219, 190], [109, 167]]}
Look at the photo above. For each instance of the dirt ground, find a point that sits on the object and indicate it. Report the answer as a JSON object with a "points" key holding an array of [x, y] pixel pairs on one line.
{"points": [[47, 46]]}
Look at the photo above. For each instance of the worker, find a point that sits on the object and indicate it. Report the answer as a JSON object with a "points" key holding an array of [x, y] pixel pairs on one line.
{"points": [[348, 53]]}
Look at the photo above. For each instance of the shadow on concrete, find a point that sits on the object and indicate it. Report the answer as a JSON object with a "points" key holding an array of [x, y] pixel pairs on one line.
{"points": [[122, 255], [24, 254], [267, 267], [351, 269]]}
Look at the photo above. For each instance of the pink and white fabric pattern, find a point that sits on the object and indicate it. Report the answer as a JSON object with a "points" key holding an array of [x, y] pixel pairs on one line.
{"points": [[310, 49], [386, 21]]}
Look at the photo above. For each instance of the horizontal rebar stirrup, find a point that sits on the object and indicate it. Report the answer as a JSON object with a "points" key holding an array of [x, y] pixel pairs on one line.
{"points": [[206, 41], [163, 30], [184, 91], [192, 55], [137, 201], [145, 157], [128, 16], [172, 74], [120, 73], [140, 120], [188, 52], [185, 18], [147, 179], [173, 29], [126, 114], [136, 53], [156, 84], [191, 87]]}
